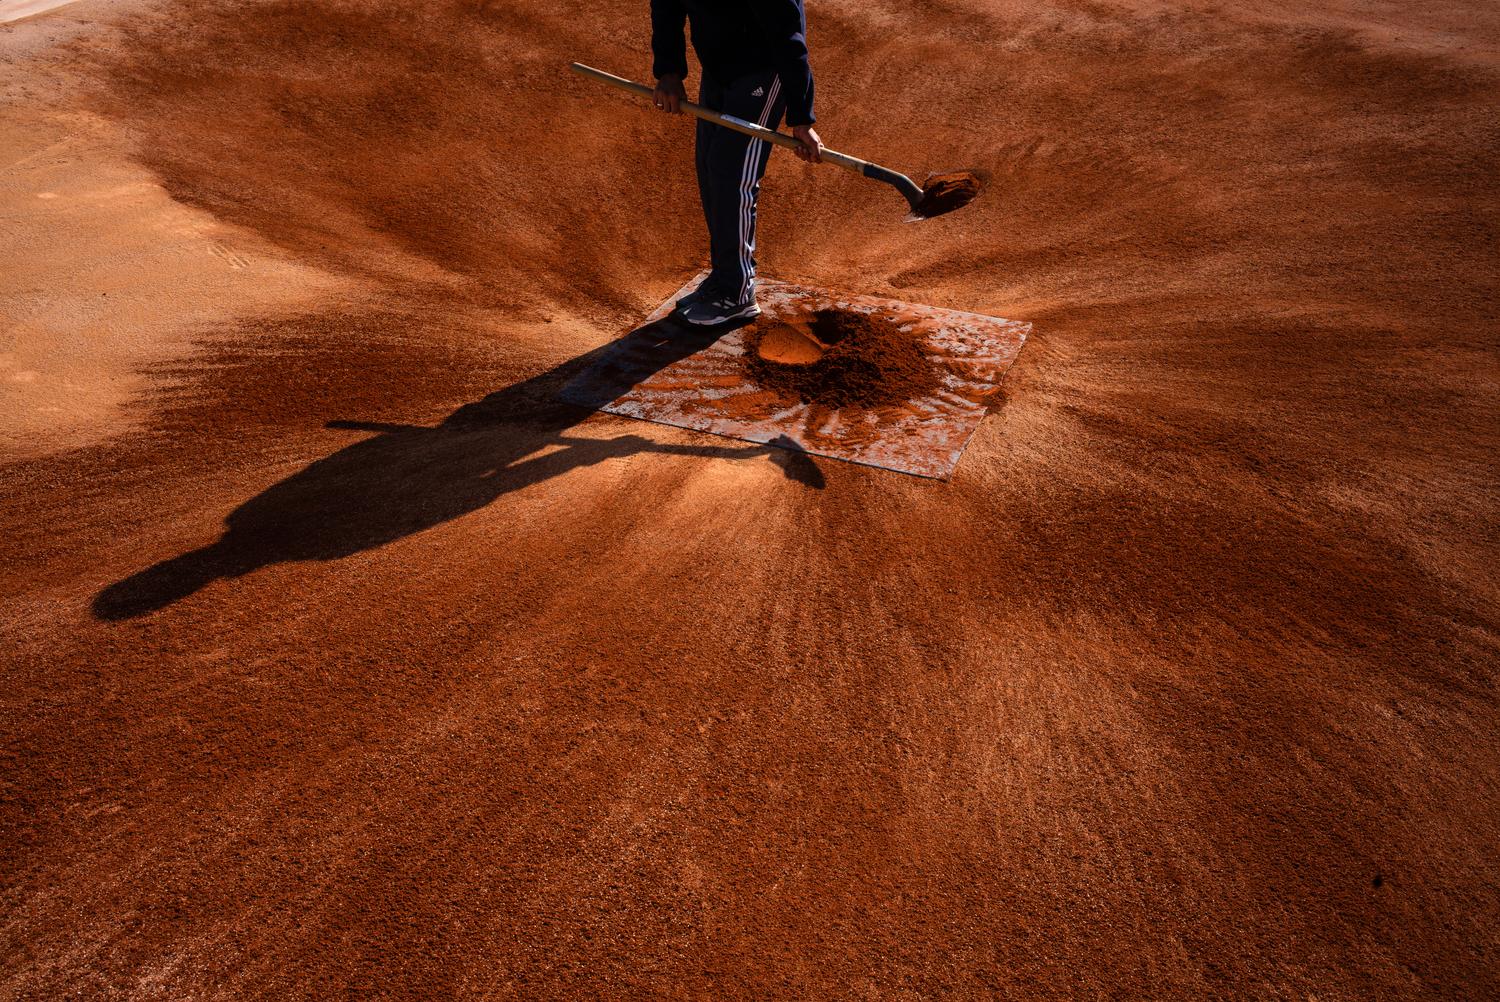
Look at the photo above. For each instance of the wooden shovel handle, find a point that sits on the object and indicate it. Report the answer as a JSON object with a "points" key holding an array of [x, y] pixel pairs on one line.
{"points": [[844, 160]]}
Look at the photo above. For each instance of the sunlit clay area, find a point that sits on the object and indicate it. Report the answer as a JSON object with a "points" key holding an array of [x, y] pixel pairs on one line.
{"points": [[749, 499]]}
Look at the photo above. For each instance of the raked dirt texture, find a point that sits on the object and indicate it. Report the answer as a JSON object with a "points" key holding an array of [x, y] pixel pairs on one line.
{"points": [[340, 658]]}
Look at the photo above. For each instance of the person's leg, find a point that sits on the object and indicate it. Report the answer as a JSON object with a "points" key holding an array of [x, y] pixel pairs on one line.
{"points": [[710, 95], [734, 163]]}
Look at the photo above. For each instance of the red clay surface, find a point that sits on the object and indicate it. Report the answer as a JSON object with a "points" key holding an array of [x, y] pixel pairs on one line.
{"points": [[350, 663]]}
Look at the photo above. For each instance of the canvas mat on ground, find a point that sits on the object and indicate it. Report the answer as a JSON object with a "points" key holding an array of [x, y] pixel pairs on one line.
{"points": [[711, 390]]}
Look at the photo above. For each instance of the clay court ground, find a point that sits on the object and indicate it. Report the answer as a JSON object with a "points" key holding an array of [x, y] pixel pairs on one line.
{"points": [[342, 657]]}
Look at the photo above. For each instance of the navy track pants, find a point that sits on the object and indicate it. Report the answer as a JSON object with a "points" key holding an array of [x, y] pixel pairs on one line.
{"points": [[730, 166]]}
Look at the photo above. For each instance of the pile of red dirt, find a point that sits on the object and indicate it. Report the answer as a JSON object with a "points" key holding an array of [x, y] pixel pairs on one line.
{"points": [[857, 360]]}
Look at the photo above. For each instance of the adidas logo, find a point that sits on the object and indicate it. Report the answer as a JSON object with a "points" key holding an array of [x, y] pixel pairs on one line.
{"points": [[758, 92]]}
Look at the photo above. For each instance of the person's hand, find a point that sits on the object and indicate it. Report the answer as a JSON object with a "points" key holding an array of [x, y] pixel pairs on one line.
{"points": [[811, 149], [669, 94]]}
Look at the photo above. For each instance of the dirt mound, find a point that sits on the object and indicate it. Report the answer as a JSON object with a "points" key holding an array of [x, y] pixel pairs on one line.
{"points": [[840, 359]]}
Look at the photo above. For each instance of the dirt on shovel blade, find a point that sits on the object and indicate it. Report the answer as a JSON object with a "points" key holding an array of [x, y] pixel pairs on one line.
{"points": [[945, 192]]}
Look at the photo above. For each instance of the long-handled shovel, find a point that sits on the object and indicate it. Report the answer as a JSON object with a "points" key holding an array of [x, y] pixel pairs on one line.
{"points": [[942, 193]]}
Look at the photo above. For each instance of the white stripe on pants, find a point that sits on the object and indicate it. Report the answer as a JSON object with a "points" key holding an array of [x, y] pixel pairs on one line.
{"points": [[748, 180]]}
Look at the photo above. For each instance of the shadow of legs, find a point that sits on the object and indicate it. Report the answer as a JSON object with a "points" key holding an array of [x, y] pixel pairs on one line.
{"points": [[162, 584], [406, 479]]}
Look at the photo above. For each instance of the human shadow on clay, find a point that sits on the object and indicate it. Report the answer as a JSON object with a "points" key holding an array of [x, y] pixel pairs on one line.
{"points": [[409, 478]]}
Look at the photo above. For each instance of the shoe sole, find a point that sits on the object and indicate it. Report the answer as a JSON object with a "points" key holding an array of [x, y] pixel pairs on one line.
{"points": [[750, 310]]}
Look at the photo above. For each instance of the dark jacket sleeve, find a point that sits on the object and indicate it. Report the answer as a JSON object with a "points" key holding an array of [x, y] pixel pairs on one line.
{"points": [[785, 24], [668, 46]]}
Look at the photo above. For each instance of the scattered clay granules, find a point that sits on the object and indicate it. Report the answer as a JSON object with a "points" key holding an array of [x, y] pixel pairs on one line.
{"points": [[867, 361]]}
